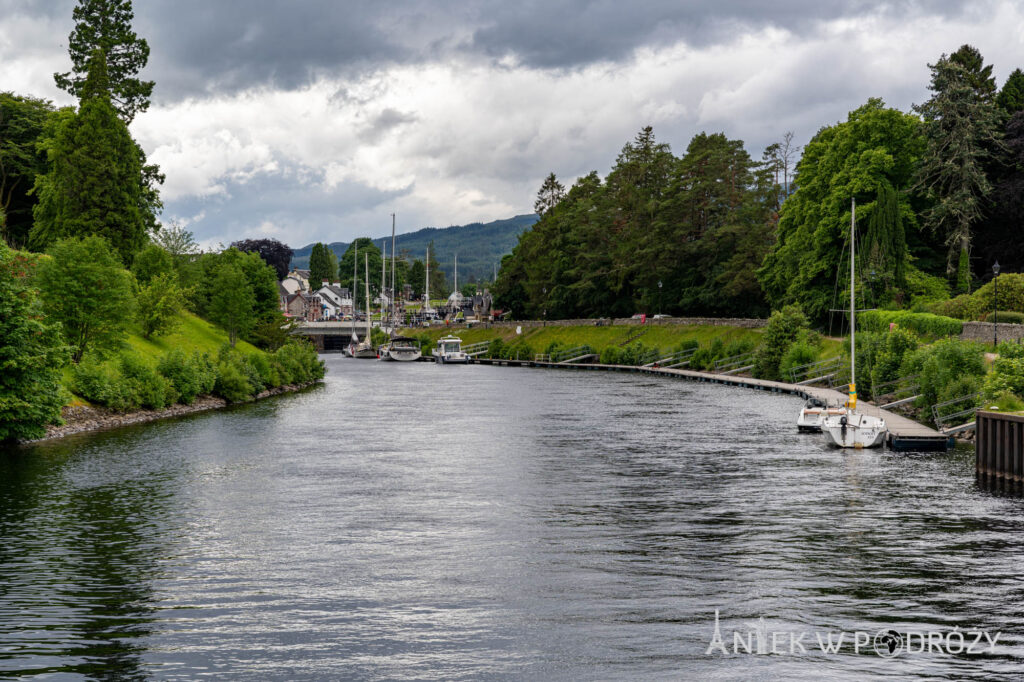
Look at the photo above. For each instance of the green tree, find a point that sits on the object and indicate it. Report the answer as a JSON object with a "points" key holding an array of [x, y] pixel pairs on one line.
{"points": [[152, 261], [783, 329], [233, 302], [1011, 98], [106, 25], [32, 355], [323, 268], [260, 278], [417, 277], [22, 120], [160, 304], [885, 241], [961, 128], [177, 241], [95, 184], [364, 246], [88, 292], [875, 147], [551, 192]]}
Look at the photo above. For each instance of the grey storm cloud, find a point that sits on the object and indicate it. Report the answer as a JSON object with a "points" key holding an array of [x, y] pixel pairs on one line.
{"points": [[201, 46]]}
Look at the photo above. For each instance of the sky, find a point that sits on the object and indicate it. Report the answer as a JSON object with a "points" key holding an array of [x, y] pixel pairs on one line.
{"points": [[314, 120]]}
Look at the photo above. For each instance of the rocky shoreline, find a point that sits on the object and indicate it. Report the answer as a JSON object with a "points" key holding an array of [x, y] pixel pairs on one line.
{"points": [[83, 418]]}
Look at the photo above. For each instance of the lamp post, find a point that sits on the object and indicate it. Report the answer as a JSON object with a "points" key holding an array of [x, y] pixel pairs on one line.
{"points": [[659, 296], [545, 309], [995, 305]]}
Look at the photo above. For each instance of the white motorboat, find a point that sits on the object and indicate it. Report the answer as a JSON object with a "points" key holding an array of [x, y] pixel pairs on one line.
{"points": [[449, 351], [813, 414], [401, 349], [853, 429]]}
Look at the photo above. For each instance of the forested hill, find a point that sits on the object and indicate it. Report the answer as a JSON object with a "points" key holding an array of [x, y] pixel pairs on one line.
{"points": [[479, 245]]}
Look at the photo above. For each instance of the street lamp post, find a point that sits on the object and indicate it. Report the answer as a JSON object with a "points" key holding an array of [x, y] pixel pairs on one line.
{"points": [[545, 309], [995, 305], [659, 297]]}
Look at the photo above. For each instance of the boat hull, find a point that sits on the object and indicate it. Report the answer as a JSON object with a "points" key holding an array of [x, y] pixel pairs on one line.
{"points": [[854, 431], [402, 355]]}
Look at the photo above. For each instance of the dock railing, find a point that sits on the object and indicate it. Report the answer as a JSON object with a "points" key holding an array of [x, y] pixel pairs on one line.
{"points": [[475, 349], [897, 392], [735, 363], [815, 372], [956, 415], [677, 359]]}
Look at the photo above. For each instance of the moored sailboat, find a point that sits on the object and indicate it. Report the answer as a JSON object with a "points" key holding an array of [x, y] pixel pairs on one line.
{"points": [[853, 429]]}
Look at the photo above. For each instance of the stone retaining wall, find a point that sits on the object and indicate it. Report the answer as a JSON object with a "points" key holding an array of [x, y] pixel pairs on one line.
{"points": [[745, 323], [982, 331]]}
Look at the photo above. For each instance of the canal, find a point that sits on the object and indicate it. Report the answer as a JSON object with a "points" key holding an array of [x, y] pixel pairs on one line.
{"points": [[439, 523]]}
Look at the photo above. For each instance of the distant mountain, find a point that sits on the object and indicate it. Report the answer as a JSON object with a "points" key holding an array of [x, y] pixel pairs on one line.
{"points": [[480, 246]]}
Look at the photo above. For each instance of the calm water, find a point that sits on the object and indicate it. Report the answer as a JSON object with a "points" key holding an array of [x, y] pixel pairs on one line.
{"points": [[422, 522]]}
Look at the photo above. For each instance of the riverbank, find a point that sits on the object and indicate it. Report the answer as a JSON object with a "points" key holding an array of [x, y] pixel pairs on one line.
{"points": [[79, 418]]}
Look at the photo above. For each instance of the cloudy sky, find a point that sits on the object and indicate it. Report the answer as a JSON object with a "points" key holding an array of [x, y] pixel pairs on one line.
{"points": [[313, 120]]}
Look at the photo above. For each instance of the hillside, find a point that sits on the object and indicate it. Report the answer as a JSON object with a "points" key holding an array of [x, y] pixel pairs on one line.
{"points": [[480, 246]]}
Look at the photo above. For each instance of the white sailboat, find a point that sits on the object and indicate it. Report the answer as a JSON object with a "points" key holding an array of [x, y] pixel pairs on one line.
{"points": [[365, 350], [853, 429]]}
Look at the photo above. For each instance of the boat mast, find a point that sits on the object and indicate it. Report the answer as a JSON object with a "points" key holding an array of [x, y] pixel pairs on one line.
{"points": [[355, 276], [426, 288], [367, 269], [394, 288], [852, 401], [383, 278]]}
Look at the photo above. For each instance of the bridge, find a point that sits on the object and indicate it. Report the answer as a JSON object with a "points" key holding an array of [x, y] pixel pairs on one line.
{"points": [[331, 336]]}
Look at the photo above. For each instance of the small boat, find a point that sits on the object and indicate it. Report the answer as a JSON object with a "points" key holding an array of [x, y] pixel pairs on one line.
{"points": [[449, 351], [813, 415], [401, 349], [853, 429]]}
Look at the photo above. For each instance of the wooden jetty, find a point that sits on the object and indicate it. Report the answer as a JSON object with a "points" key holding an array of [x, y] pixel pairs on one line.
{"points": [[904, 433]]}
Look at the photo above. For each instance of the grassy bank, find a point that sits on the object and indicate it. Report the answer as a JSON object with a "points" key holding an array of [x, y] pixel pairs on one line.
{"points": [[599, 338]]}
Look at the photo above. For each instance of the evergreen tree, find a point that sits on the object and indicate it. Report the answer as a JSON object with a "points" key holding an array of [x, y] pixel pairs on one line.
{"points": [[317, 266], [961, 127], [22, 120], [417, 277], [885, 241], [32, 355], [1011, 98], [106, 25], [95, 184], [550, 193]]}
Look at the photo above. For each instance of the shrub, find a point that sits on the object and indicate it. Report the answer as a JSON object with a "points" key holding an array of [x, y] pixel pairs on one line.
{"points": [[299, 363], [232, 384], [892, 349], [495, 347], [1011, 293], [1007, 376], [800, 353], [963, 307], [1006, 317], [518, 349], [191, 376], [925, 324], [101, 384], [939, 364], [610, 355], [782, 330], [147, 387], [268, 371]]}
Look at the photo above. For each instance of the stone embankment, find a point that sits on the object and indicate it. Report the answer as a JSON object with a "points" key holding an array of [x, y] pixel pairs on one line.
{"points": [[982, 331], [83, 418]]}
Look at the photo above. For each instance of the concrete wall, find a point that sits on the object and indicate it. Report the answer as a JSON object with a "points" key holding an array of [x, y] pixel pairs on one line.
{"points": [[982, 331]]}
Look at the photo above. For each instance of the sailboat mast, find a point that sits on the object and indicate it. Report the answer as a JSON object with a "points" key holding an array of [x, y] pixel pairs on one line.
{"points": [[426, 287], [383, 278], [355, 276], [394, 287], [456, 272], [366, 268], [853, 307]]}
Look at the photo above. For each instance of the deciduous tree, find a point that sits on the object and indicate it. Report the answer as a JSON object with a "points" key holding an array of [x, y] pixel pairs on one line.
{"points": [[32, 355], [276, 254], [22, 120], [232, 303], [88, 292]]}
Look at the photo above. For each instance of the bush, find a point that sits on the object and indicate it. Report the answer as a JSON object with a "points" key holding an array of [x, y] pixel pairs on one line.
{"points": [[101, 384], [267, 370], [782, 330], [517, 350], [232, 384], [1007, 376], [941, 363], [1007, 317], [705, 356], [924, 324], [963, 307], [191, 376], [147, 387], [299, 363], [890, 353], [1011, 294], [610, 355], [800, 353], [495, 347]]}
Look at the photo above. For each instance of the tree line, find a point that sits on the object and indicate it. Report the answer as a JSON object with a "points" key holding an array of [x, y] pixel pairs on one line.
{"points": [[714, 232]]}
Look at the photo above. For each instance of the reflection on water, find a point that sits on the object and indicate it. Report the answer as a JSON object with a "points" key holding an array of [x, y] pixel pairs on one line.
{"points": [[474, 522]]}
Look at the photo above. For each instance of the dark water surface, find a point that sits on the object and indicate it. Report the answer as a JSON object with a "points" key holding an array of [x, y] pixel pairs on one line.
{"points": [[437, 523]]}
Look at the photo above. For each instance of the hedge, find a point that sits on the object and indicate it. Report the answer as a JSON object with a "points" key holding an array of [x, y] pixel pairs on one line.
{"points": [[925, 324]]}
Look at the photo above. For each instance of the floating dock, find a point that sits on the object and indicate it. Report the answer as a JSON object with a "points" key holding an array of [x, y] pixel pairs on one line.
{"points": [[905, 434], [999, 453]]}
